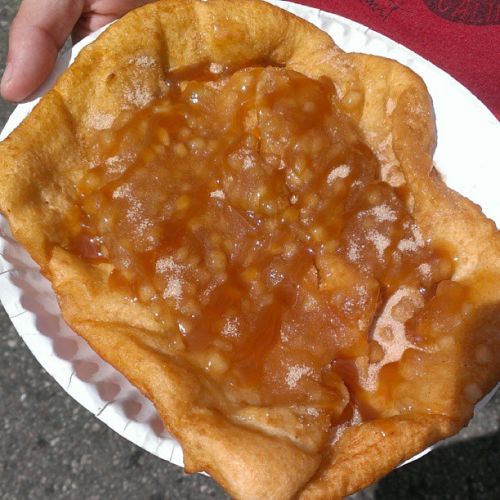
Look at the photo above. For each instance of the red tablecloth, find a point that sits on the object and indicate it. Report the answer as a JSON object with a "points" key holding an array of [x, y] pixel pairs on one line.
{"points": [[460, 36]]}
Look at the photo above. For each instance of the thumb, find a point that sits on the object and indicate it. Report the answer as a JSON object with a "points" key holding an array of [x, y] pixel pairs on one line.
{"points": [[36, 35]]}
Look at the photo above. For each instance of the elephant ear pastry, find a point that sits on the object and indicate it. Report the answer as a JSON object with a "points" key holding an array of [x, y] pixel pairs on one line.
{"points": [[245, 221]]}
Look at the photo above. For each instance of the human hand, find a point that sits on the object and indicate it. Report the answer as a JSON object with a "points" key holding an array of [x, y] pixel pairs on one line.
{"points": [[40, 29]]}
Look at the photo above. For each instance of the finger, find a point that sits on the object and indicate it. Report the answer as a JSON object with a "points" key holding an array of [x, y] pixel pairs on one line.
{"points": [[90, 23], [98, 13], [115, 7], [36, 35]]}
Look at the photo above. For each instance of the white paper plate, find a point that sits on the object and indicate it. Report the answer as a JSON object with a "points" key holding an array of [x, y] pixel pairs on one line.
{"points": [[468, 137]]}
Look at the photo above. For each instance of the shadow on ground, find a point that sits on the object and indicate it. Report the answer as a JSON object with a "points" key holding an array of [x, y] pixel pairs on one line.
{"points": [[462, 470]]}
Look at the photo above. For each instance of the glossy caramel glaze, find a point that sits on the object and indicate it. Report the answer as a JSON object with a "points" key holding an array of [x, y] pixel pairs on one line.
{"points": [[250, 214]]}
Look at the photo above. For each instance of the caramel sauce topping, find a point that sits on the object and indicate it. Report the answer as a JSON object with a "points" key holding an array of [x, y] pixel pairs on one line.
{"points": [[247, 211]]}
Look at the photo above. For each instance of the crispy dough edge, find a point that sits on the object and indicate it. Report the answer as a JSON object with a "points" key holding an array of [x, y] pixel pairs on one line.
{"points": [[368, 452], [282, 39]]}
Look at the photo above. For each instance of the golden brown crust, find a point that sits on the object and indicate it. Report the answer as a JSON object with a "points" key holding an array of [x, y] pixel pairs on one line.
{"points": [[356, 460], [396, 118]]}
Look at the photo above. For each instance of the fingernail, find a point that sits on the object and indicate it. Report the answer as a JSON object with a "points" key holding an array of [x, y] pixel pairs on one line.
{"points": [[7, 74]]}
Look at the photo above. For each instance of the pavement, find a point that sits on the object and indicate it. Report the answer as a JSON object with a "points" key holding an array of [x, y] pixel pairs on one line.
{"points": [[52, 448]]}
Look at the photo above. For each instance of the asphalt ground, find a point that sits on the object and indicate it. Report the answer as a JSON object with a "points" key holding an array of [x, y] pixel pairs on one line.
{"points": [[52, 448]]}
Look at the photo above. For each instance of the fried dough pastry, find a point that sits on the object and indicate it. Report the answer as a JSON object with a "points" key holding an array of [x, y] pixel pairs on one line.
{"points": [[245, 221]]}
